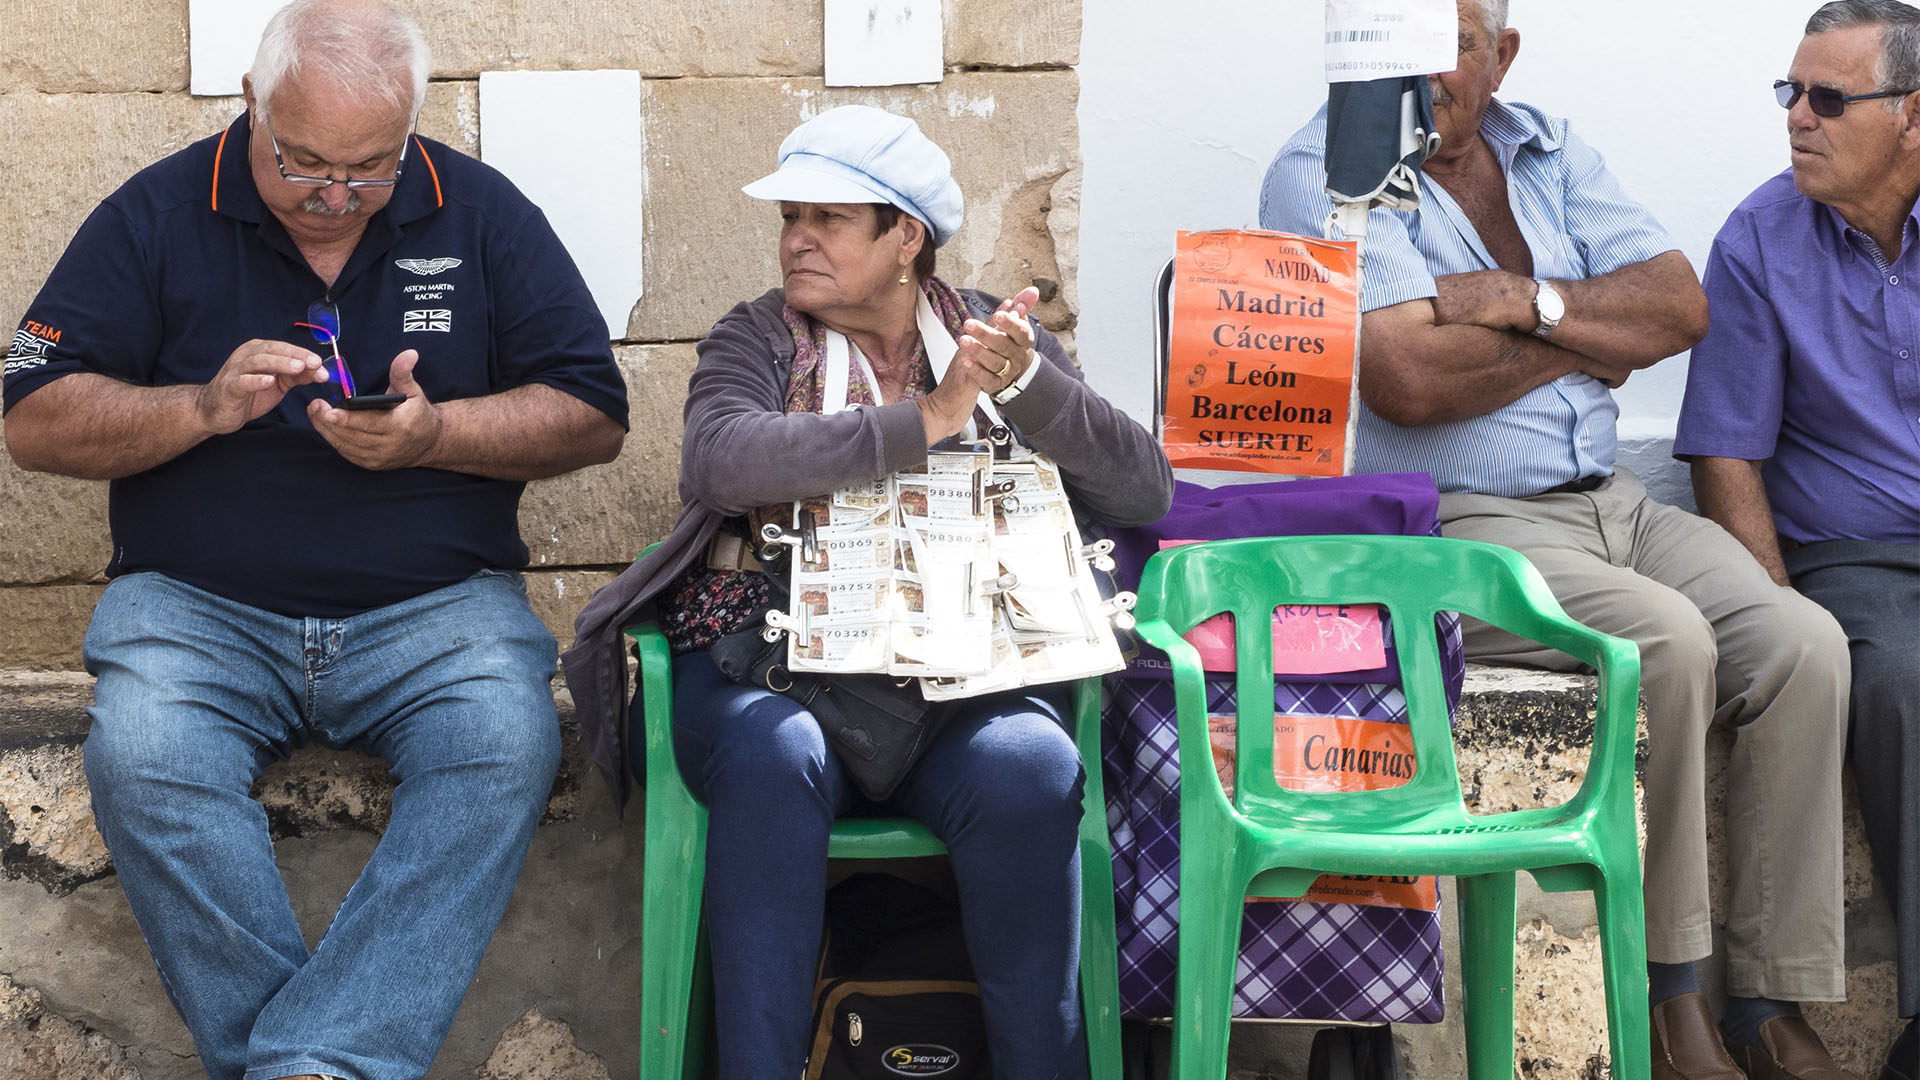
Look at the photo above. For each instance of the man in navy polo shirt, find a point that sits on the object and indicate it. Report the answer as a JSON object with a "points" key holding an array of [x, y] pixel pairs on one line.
{"points": [[290, 568], [1802, 414]]}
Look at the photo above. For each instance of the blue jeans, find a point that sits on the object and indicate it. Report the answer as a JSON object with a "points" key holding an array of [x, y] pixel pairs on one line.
{"points": [[1001, 786], [196, 694]]}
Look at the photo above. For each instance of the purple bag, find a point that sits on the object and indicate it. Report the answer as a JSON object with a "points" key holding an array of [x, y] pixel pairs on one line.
{"points": [[1298, 959]]}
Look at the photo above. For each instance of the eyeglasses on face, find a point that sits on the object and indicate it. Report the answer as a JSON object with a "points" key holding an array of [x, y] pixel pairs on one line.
{"points": [[328, 181], [323, 320], [1824, 100]]}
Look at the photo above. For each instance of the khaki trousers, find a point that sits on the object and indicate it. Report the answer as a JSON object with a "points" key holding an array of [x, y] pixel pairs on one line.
{"points": [[1719, 641]]}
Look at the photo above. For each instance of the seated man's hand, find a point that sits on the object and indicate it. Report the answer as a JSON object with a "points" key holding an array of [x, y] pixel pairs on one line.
{"points": [[396, 438], [252, 381]]}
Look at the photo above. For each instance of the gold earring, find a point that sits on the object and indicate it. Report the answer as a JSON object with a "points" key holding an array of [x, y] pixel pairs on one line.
{"points": [[904, 280]]}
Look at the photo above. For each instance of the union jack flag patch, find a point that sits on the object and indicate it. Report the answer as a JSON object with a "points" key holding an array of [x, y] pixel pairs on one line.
{"points": [[421, 320]]}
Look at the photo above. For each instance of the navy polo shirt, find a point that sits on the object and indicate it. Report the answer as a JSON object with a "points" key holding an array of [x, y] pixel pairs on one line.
{"points": [[184, 263]]}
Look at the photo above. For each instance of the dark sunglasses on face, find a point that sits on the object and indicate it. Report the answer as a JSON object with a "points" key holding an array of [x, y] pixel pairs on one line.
{"points": [[1824, 100]]}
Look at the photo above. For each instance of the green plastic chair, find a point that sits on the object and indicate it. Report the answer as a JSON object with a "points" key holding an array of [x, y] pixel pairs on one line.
{"points": [[675, 983], [1268, 841]]}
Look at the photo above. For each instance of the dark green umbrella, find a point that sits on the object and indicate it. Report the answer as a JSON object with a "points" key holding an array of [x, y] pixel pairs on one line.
{"points": [[1378, 133]]}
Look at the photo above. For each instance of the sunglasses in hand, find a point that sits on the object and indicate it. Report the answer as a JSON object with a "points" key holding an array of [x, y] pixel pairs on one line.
{"points": [[323, 321]]}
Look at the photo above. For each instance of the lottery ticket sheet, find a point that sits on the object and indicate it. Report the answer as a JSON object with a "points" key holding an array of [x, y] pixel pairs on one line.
{"points": [[928, 573]]}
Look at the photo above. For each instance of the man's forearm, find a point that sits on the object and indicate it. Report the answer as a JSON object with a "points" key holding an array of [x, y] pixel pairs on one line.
{"points": [[1623, 321], [527, 433], [1731, 492], [96, 428], [1414, 373]]}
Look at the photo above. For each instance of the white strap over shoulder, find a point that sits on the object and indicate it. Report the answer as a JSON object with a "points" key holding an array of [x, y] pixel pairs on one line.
{"points": [[941, 349]]}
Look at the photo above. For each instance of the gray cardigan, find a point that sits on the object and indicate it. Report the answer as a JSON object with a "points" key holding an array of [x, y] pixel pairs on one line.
{"points": [[740, 450]]}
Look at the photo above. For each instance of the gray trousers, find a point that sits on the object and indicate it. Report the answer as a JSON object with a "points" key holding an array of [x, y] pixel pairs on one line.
{"points": [[1719, 641], [1874, 590]]}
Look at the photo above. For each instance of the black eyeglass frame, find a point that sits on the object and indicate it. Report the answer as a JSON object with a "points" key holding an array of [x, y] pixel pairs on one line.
{"points": [[319, 182], [1824, 100]]}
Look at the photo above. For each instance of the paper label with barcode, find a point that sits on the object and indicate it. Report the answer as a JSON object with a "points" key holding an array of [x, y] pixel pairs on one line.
{"points": [[1381, 39]]}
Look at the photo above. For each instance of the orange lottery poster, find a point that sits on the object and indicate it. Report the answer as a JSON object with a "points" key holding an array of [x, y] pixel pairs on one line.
{"points": [[1263, 333], [1330, 753]]}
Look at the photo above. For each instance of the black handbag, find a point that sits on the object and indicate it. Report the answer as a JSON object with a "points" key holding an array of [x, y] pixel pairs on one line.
{"points": [[878, 726]]}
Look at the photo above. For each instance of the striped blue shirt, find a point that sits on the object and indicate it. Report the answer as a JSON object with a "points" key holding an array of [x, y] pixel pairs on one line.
{"points": [[1577, 222]]}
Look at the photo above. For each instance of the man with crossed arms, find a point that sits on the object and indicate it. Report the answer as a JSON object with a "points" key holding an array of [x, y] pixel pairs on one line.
{"points": [[1497, 318]]}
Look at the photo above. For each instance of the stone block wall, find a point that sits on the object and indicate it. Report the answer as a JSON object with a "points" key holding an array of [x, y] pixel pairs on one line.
{"points": [[83, 107]]}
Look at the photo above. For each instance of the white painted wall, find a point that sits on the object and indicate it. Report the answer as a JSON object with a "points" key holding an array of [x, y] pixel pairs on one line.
{"points": [[1182, 107]]}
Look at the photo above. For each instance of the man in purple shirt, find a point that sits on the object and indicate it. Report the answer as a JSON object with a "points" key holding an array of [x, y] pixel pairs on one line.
{"points": [[1802, 414]]}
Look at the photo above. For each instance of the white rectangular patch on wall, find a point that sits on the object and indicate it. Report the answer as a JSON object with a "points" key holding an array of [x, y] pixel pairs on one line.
{"points": [[883, 42], [222, 36], [572, 141]]}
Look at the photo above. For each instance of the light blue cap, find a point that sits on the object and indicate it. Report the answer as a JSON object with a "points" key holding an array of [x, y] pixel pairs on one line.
{"points": [[860, 154]]}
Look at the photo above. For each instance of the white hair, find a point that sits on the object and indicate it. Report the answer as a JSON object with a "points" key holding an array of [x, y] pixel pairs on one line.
{"points": [[1493, 16], [366, 48]]}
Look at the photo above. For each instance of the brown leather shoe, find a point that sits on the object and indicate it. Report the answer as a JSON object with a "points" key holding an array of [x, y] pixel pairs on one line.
{"points": [[1788, 1050], [1686, 1042]]}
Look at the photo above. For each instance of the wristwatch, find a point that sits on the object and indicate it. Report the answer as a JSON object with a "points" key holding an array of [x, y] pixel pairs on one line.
{"points": [[1548, 306], [1026, 378]]}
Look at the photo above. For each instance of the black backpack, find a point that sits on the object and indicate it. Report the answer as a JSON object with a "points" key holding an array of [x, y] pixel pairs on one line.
{"points": [[896, 995]]}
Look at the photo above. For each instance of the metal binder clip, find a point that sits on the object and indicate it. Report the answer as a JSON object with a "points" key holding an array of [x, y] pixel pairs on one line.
{"points": [[1000, 435], [1119, 610], [775, 536], [1099, 555], [986, 491], [779, 622], [1002, 584]]}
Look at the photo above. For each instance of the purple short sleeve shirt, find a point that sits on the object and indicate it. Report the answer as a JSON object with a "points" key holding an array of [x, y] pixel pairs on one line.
{"points": [[1812, 365]]}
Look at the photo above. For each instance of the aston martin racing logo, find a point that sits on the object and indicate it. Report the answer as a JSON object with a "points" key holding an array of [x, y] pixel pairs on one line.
{"points": [[30, 345], [426, 267]]}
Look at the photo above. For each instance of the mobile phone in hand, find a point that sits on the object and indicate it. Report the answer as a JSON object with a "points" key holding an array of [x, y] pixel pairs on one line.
{"points": [[372, 401]]}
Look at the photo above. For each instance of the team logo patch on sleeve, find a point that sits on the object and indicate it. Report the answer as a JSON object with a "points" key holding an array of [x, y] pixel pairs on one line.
{"points": [[426, 267], [30, 345], [422, 320]]}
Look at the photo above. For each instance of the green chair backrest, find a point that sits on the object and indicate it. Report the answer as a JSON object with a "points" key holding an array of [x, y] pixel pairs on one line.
{"points": [[1413, 579]]}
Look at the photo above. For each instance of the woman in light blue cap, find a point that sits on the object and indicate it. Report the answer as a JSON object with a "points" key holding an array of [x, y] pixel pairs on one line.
{"points": [[865, 199]]}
